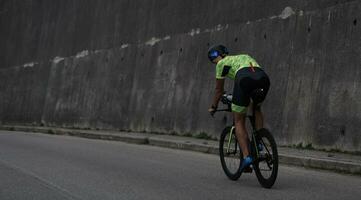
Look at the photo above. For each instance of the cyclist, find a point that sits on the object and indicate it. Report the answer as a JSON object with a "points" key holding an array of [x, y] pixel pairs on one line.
{"points": [[248, 76]]}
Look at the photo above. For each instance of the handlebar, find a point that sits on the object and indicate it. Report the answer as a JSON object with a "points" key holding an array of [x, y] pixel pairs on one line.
{"points": [[227, 100]]}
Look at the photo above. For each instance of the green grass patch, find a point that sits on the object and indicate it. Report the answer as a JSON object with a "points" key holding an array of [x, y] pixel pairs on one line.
{"points": [[188, 135], [309, 146], [203, 135], [302, 146]]}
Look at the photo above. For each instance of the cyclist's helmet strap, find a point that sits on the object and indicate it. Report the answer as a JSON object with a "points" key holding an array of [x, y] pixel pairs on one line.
{"points": [[217, 50]]}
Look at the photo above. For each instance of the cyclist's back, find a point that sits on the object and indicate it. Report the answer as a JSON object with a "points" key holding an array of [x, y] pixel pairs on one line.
{"points": [[230, 64]]}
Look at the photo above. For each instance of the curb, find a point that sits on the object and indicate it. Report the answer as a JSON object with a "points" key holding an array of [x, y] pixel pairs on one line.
{"points": [[303, 161], [83, 134], [183, 145], [319, 163]]}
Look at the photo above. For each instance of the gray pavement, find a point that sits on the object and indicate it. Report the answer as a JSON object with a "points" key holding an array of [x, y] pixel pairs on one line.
{"points": [[40, 166], [338, 162]]}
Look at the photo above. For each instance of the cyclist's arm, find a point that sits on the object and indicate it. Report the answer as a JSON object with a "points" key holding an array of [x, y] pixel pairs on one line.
{"points": [[218, 92]]}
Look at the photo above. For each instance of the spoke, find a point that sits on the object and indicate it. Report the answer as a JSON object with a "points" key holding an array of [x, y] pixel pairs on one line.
{"points": [[264, 145], [268, 159]]}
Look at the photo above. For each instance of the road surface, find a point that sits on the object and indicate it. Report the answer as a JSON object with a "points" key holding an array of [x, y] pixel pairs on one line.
{"points": [[40, 166]]}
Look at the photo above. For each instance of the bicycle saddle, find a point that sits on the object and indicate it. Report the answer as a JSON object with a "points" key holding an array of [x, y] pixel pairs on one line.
{"points": [[258, 95]]}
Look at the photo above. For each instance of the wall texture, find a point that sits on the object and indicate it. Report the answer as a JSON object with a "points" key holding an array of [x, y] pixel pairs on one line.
{"points": [[141, 65]]}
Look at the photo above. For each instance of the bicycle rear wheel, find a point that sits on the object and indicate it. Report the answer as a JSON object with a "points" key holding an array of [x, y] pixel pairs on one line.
{"points": [[230, 154], [266, 166]]}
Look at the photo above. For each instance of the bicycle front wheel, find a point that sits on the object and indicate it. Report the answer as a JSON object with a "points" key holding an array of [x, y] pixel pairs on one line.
{"points": [[266, 166], [230, 153]]}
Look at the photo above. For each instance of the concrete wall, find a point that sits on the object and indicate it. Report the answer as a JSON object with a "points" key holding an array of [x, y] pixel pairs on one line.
{"points": [[141, 65]]}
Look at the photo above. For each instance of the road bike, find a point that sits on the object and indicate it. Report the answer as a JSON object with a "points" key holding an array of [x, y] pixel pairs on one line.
{"points": [[263, 147]]}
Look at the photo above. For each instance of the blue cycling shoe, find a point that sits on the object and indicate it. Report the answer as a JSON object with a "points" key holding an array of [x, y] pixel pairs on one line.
{"points": [[246, 163]]}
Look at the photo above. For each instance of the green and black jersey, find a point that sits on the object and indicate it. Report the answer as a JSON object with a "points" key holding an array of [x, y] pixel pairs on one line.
{"points": [[229, 65], [247, 75]]}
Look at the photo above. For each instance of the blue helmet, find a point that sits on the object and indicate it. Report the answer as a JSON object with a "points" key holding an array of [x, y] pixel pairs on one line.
{"points": [[217, 50]]}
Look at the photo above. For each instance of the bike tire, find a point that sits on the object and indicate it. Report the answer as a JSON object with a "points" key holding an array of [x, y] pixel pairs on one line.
{"points": [[270, 156], [225, 156]]}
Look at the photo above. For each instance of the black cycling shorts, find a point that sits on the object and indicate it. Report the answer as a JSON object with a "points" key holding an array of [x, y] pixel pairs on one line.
{"points": [[246, 81]]}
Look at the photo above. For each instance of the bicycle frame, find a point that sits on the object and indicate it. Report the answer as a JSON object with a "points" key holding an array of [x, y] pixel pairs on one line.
{"points": [[227, 100], [262, 147], [230, 138]]}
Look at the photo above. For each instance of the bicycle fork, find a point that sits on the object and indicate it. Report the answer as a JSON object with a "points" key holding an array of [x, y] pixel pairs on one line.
{"points": [[230, 139], [252, 143]]}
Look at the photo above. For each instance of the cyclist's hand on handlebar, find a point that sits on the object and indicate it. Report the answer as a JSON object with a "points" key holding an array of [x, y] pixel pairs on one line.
{"points": [[212, 110]]}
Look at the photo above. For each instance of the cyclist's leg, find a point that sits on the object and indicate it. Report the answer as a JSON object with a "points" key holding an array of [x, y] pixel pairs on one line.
{"points": [[240, 102], [263, 83], [241, 132], [258, 115], [242, 137], [259, 118]]}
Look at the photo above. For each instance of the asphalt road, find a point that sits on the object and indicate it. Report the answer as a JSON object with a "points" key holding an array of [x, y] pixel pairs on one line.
{"points": [[39, 166]]}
